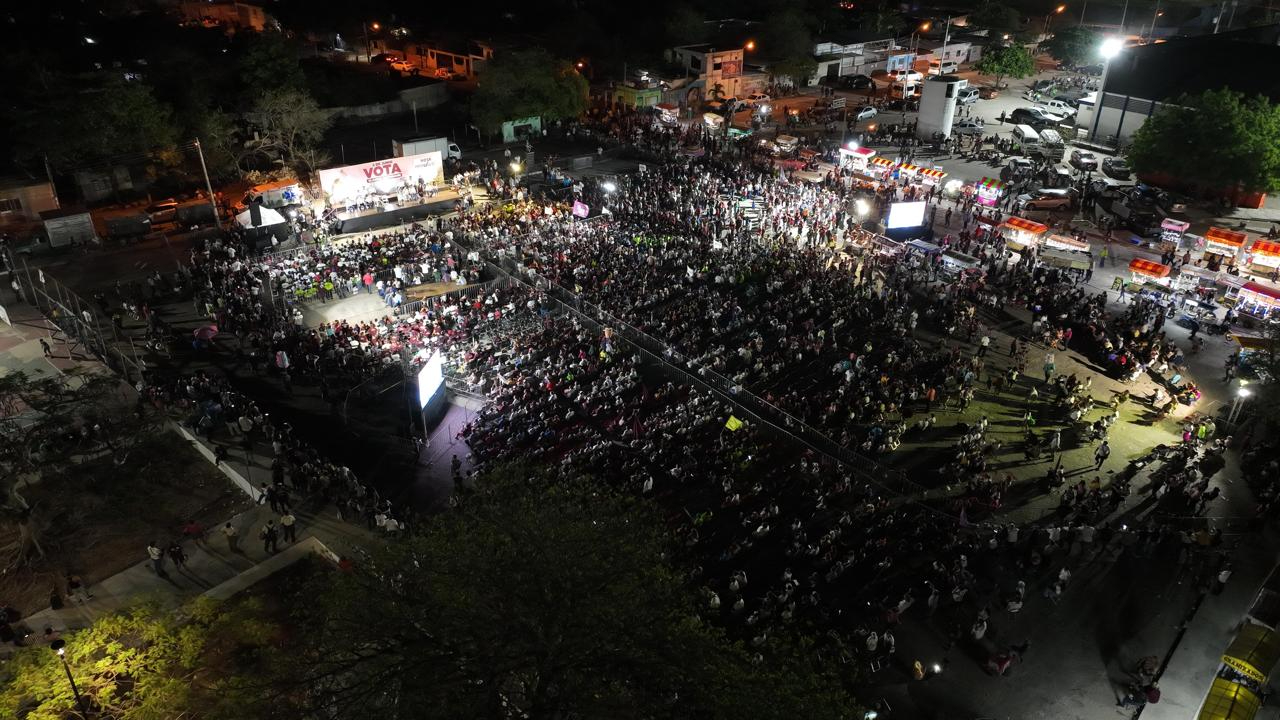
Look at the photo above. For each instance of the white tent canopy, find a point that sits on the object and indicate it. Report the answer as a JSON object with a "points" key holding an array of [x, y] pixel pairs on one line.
{"points": [[269, 217]]}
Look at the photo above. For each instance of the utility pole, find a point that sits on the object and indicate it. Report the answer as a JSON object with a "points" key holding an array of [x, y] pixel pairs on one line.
{"points": [[1123, 16], [213, 203], [52, 188]]}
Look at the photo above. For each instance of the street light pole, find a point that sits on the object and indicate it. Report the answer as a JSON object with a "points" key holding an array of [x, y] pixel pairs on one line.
{"points": [[217, 218], [1110, 48], [60, 646]]}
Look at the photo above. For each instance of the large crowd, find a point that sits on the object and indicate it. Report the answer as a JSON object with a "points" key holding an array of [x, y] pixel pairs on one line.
{"points": [[794, 305]]}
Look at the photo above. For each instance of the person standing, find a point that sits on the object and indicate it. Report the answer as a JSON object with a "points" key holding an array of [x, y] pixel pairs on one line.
{"points": [[177, 555], [288, 526], [233, 537], [270, 536], [157, 558], [48, 351], [1101, 454]]}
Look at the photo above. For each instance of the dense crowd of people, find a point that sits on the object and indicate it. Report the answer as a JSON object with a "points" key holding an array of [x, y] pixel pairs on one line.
{"points": [[861, 340]]}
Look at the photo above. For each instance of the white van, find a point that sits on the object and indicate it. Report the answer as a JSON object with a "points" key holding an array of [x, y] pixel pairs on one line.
{"points": [[1027, 138], [943, 67], [1051, 145]]}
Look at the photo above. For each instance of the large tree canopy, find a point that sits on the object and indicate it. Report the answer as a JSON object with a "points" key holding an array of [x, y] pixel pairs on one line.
{"points": [[1009, 61], [146, 663], [528, 83], [1074, 45], [1218, 140], [539, 599]]}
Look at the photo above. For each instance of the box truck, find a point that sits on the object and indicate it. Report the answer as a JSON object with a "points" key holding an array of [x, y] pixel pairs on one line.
{"points": [[448, 150]]}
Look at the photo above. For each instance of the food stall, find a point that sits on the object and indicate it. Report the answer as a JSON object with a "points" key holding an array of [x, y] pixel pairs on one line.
{"points": [[988, 191], [1066, 242], [856, 159], [1149, 272], [1073, 260], [924, 175], [1263, 257], [1021, 233], [880, 167], [1259, 300], [1200, 281], [1171, 232], [714, 122], [1222, 247]]}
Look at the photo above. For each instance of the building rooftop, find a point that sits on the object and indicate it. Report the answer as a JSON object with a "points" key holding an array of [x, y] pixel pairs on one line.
{"points": [[1161, 71]]}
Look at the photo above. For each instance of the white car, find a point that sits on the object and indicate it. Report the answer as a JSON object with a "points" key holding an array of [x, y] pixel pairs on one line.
{"points": [[967, 127], [866, 112], [757, 99], [1045, 115], [404, 67]]}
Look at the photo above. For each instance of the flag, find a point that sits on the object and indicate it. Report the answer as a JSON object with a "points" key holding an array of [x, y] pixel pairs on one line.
{"points": [[733, 423]]}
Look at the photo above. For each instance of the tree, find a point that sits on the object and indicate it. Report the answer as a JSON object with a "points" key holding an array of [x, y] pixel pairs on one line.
{"points": [[1242, 135], [996, 17], [528, 83], [73, 123], [540, 599], [1074, 46], [144, 663], [269, 62], [1008, 61], [290, 127], [788, 42]]}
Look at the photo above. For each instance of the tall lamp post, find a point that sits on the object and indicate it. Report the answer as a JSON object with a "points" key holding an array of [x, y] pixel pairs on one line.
{"points": [[1048, 19], [368, 49], [1110, 48], [60, 646]]}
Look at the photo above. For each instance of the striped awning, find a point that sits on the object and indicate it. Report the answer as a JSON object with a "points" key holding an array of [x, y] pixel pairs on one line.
{"points": [[931, 173], [1260, 289], [1150, 268], [908, 167], [1226, 237], [1265, 247], [1025, 225], [990, 183], [882, 162]]}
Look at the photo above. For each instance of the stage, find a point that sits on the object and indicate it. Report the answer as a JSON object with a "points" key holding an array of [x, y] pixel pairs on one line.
{"points": [[396, 213]]}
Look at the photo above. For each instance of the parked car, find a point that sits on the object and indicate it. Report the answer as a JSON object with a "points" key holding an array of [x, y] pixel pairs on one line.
{"points": [[1056, 107], [856, 82], [967, 127], [1062, 199], [1034, 117], [1083, 160], [405, 67], [866, 112], [163, 211], [757, 99], [968, 95], [908, 105], [988, 93], [1117, 167]]}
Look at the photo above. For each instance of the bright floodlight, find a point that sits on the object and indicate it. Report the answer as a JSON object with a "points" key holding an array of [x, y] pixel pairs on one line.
{"points": [[1111, 47], [861, 207], [515, 167], [852, 145], [608, 187], [1244, 392]]}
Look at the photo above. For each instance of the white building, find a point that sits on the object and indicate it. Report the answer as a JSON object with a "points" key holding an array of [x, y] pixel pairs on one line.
{"points": [[851, 53]]}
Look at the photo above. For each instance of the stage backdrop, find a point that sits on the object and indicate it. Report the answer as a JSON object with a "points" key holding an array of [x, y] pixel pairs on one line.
{"points": [[385, 176]]}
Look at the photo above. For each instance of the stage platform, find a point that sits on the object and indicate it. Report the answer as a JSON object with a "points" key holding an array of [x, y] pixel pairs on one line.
{"points": [[364, 220]]}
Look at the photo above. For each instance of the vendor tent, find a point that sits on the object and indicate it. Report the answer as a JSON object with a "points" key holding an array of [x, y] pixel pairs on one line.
{"points": [[1140, 266], [265, 217]]}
